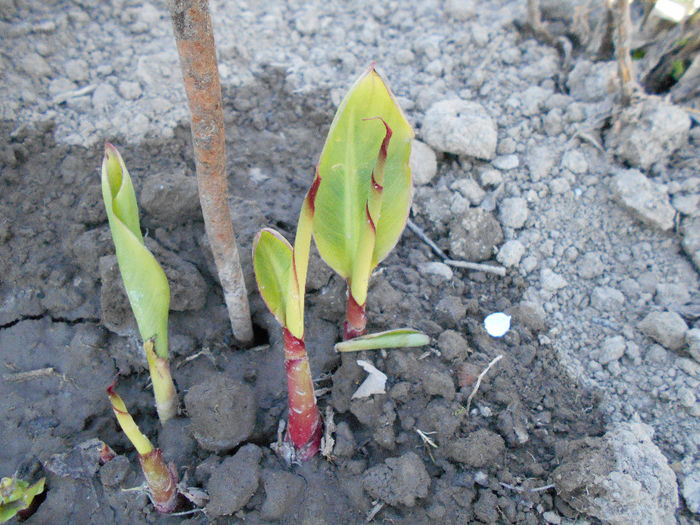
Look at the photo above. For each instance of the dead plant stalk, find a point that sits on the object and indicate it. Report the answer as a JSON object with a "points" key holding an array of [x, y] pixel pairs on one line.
{"points": [[194, 36]]}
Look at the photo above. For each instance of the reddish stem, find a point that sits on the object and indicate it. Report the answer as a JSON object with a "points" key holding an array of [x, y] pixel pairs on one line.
{"points": [[355, 318], [304, 429], [161, 479]]}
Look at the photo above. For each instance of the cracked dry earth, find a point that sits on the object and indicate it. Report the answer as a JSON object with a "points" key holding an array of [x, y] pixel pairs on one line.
{"points": [[524, 159]]}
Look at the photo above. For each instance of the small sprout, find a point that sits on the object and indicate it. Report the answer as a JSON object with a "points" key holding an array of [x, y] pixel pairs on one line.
{"points": [[16, 496], [145, 282], [280, 271], [161, 479], [498, 324], [362, 205], [375, 383]]}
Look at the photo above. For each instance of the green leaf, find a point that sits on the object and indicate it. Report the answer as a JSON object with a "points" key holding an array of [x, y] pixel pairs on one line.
{"points": [[272, 262], [17, 495], [348, 158], [144, 279], [399, 338]]}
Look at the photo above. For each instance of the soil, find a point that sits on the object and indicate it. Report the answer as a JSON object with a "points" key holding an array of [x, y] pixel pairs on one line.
{"points": [[576, 363]]}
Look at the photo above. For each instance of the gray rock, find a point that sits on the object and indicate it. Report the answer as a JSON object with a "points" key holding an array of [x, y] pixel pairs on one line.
{"points": [[438, 383], [506, 162], [222, 412], [646, 200], [692, 339], [531, 315], [450, 311], [34, 65], [686, 397], [460, 127], [438, 269], [575, 162], [559, 185], [590, 81], [283, 491], [234, 481], [171, 198], [423, 163], [510, 253], [104, 97], [130, 90], [513, 212], [551, 281], [474, 235], [470, 190], [690, 489], [491, 178], [690, 230], [540, 162], [671, 293], [612, 349], [687, 204], [398, 481], [115, 471], [620, 478], [460, 9], [453, 346], [606, 298], [590, 266], [532, 99], [666, 328], [649, 132]]}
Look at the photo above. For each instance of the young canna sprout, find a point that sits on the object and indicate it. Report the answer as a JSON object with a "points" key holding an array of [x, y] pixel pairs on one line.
{"points": [[161, 479], [144, 279], [363, 204], [16, 496], [280, 270]]}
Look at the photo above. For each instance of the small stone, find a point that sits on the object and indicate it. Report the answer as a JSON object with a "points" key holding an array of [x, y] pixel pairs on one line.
{"points": [[491, 178], [104, 97], [692, 339], [450, 311], [531, 315], [657, 354], [513, 212], [460, 9], [439, 383], [528, 264], [551, 517], [551, 281], [645, 199], [474, 235], [283, 490], [222, 412], [690, 489], [423, 163], [690, 231], [590, 81], [687, 204], [453, 346], [506, 162], [460, 127], [540, 162], [590, 266], [552, 122], [649, 132], [34, 65], [234, 481], [606, 298], [666, 328], [171, 197], [470, 190], [575, 162], [405, 56], [130, 90], [115, 471], [398, 481], [559, 185], [307, 22], [438, 269], [686, 397], [510, 253], [612, 349]]}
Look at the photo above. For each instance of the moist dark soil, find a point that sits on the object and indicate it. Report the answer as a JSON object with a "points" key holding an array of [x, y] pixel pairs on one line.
{"points": [[483, 461]]}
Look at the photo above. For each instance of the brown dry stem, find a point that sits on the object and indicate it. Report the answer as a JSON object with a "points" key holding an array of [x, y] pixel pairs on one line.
{"points": [[195, 45], [622, 37]]}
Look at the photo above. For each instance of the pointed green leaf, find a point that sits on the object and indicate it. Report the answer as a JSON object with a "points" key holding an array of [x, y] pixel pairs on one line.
{"points": [[346, 164], [272, 262], [144, 279], [400, 338]]}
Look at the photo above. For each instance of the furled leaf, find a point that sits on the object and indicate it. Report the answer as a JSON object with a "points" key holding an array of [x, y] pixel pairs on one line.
{"points": [[399, 338], [348, 158], [141, 443], [144, 279], [272, 262]]}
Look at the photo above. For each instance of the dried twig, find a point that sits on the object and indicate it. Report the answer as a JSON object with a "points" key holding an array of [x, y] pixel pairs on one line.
{"points": [[622, 37], [29, 375], [426, 439], [498, 270], [478, 381], [374, 511], [525, 489], [195, 45]]}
